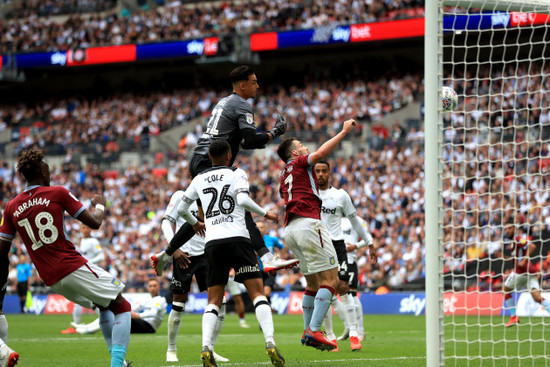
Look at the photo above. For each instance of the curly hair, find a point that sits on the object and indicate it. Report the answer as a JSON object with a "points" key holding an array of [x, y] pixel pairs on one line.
{"points": [[28, 163]]}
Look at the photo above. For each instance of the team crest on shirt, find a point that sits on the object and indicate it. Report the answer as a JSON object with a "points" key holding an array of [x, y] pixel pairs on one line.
{"points": [[249, 118], [115, 281], [332, 261]]}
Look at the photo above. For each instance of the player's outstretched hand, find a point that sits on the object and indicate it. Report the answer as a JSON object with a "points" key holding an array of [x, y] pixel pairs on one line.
{"points": [[181, 258], [348, 125], [279, 128], [99, 199], [199, 228], [271, 215]]}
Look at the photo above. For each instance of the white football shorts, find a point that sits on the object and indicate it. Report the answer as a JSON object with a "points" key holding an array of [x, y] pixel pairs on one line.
{"points": [[234, 288], [516, 281], [310, 242], [89, 284]]}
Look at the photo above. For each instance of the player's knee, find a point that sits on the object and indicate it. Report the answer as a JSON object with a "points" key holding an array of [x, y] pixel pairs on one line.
{"points": [[118, 307]]}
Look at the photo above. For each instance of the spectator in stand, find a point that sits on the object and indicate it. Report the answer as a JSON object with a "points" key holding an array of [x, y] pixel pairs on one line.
{"points": [[32, 33]]}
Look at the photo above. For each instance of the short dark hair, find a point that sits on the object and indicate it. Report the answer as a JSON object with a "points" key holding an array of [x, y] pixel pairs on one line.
{"points": [[324, 162], [218, 148], [240, 73], [29, 164], [284, 150]]}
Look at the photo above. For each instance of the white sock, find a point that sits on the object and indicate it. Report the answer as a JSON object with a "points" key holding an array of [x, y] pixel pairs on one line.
{"points": [[174, 321], [267, 258], [3, 328], [209, 319], [2, 343], [219, 323], [327, 323], [77, 313], [359, 314], [340, 310], [265, 319], [351, 319]]}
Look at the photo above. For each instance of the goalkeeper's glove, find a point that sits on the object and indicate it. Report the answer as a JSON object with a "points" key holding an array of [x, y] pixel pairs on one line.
{"points": [[279, 128]]}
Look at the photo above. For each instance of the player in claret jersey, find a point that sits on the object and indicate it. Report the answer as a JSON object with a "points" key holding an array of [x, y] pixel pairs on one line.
{"points": [[306, 235], [37, 215], [524, 274]]}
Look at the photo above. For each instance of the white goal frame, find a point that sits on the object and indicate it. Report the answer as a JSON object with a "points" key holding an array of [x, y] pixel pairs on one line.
{"points": [[433, 71]]}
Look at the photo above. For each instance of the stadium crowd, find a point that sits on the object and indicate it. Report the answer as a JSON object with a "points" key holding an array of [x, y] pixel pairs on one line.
{"points": [[500, 152], [137, 199], [100, 125], [33, 33], [496, 161]]}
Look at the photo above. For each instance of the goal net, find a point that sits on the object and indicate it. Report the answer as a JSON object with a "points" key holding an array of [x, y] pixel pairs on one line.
{"points": [[491, 171]]}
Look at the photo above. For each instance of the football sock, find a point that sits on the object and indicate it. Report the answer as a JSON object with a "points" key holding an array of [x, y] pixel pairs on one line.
{"points": [[3, 328], [321, 306], [241, 316], [308, 303], [351, 321], [327, 322], [106, 321], [117, 355], [359, 314], [510, 304], [340, 310], [2, 343], [265, 319], [219, 323], [120, 338], [267, 257], [77, 313], [209, 319], [545, 304], [174, 321]]}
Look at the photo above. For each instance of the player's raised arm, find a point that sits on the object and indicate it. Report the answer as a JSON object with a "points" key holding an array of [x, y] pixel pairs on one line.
{"points": [[94, 220], [328, 147]]}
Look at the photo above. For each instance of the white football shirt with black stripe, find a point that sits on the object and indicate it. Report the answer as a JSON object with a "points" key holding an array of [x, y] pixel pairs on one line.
{"points": [[195, 246], [217, 189], [336, 204]]}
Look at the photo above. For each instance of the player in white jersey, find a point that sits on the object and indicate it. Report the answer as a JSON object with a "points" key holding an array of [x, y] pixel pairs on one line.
{"points": [[189, 261], [353, 243], [146, 317], [224, 193], [91, 249], [337, 204]]}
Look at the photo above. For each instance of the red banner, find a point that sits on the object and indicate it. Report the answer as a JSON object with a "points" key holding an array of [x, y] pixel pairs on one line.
{"points": [[518, 19], [473, 303], [387, 30], [101, 55], [57, 304], [211, 46], [263, 41]]}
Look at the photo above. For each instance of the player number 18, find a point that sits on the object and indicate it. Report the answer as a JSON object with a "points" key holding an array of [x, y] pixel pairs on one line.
{"points": [[45, 238]]}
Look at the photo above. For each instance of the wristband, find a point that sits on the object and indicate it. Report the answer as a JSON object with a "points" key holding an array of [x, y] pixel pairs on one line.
{"points": [[100, 207]]}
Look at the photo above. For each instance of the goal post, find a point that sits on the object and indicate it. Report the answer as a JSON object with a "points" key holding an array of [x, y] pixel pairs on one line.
{"points": [[486, 163]]}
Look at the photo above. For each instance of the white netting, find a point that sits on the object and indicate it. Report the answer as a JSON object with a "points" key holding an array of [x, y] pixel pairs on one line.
{"points": [[495, 161]]}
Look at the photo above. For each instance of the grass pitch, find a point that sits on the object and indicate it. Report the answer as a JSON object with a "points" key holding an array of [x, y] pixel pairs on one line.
{"points": [[391, 340]]}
